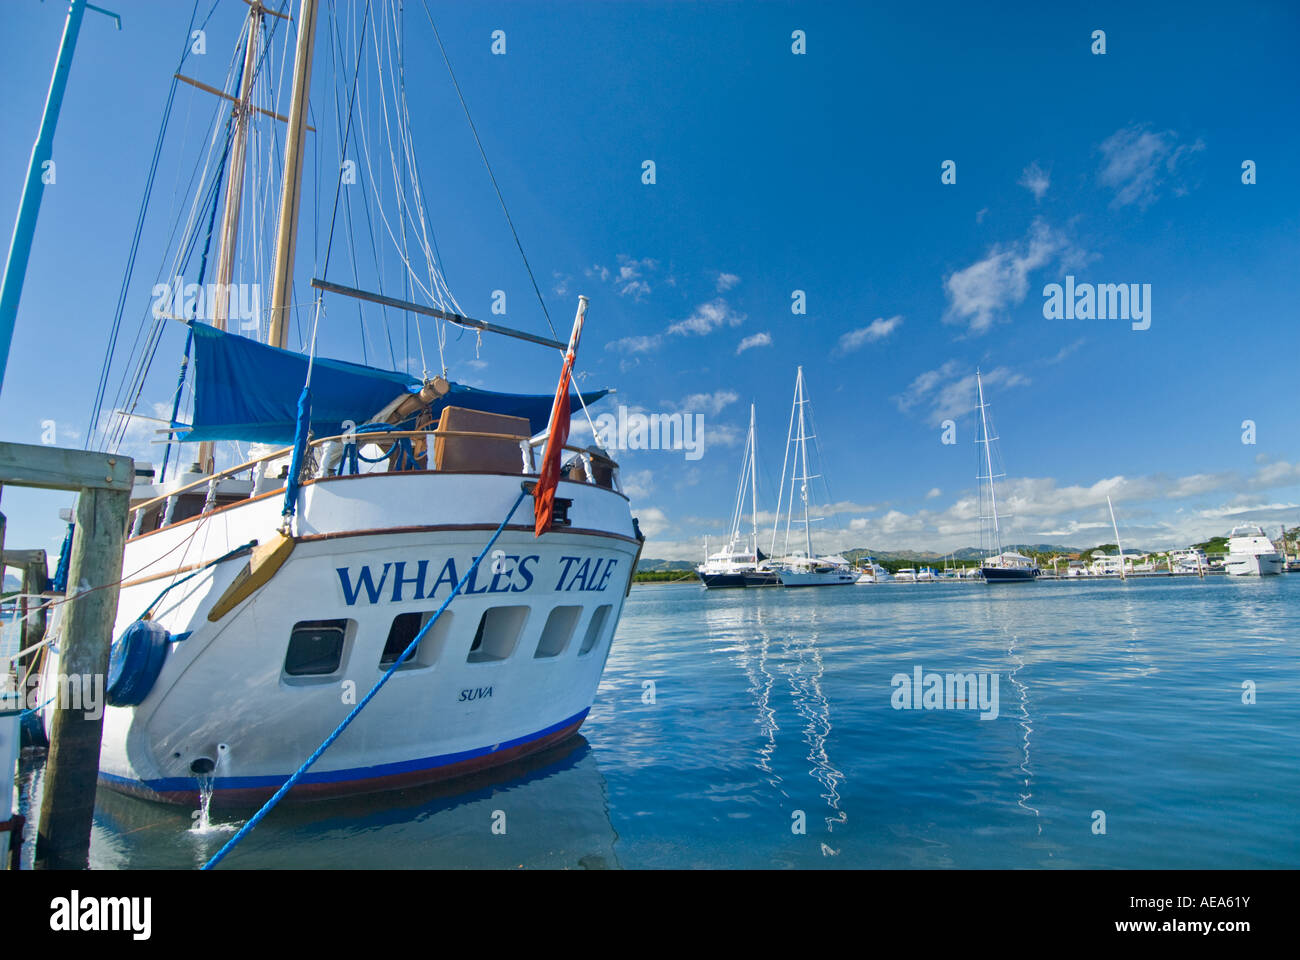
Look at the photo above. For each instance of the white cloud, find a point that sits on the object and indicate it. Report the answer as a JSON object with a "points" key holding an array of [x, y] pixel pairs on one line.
{"points": [[1137, 164], [1039, 510], [726, 281], [652, 521], [637, 484], [763, 339], [934, 492], [635, 344], [979, 294], [1036, 180], [710, 403], [708, 317], [948, 392], [629, 277], [878, 329]]}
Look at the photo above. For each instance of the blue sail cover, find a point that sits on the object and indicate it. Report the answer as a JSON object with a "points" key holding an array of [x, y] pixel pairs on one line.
{"points": [[248, 391]]}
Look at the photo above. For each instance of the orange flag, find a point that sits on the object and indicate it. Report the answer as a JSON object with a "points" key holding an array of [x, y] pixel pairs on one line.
{"points": [[549, 478]]}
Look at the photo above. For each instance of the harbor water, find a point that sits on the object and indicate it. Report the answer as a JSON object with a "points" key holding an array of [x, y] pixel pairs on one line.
{"points": [[1147, 724]]}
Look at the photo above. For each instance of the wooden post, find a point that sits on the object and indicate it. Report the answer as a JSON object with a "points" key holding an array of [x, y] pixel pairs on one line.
{"points": [[35, 582], [72, 768]]}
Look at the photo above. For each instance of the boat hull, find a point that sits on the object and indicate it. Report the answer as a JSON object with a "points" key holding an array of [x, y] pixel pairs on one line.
{"points": [[1254, 564], [723, 581], [511, 666], [813, 578], [1008, 575]]}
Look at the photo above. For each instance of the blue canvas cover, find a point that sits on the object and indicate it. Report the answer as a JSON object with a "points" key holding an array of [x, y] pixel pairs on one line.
{"points": [[248, 391]]}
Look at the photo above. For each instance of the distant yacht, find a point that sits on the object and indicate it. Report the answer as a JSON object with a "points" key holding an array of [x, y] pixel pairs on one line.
{"points": [[1002, 566], [802, 568], [741, 563], [1251, 553], [905, 575], [873, 573], [1190, 560]]}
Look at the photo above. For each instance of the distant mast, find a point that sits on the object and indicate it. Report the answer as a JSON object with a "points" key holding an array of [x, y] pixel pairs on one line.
{"points": [[753, 481], [291, 187], [1119, 546], [803, 453], [988, 459]]}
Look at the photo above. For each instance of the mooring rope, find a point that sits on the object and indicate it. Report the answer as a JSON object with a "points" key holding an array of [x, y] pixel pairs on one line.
{"points": [[406, 654]]}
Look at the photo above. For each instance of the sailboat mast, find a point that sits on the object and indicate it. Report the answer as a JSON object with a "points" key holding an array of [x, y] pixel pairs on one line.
{"points": [[803, 453], [1119, 546], [780, 497], [988, 459], [753, 481], [291, 188], [234, 197]]}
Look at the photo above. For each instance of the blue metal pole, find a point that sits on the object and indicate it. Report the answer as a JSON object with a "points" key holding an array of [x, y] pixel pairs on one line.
{"points": [[20, 247]]}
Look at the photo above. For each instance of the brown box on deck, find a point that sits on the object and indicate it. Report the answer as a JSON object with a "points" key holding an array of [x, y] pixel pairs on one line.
{"points": [[479, 454]]}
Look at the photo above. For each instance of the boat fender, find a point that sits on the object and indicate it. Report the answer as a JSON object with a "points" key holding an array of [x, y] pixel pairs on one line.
{"points": [[135, 661]]}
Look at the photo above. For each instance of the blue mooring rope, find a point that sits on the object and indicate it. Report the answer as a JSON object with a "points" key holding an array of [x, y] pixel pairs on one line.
{"points": [[406, 654]]}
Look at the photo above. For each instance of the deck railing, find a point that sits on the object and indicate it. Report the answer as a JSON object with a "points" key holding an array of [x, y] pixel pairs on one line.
{"points": [[320, 467]]}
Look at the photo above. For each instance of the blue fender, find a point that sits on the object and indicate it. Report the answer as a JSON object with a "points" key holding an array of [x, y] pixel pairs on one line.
{"points": [[135, 662]]}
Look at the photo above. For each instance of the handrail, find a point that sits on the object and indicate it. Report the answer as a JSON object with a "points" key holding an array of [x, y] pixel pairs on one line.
{"points": [[367, 438]]}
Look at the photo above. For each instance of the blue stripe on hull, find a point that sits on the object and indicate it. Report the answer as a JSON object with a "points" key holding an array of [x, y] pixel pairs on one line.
{"points": [[379, 771]]}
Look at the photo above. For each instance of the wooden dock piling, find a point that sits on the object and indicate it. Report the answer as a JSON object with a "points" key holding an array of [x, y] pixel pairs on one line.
{"points": [[95, 570]]}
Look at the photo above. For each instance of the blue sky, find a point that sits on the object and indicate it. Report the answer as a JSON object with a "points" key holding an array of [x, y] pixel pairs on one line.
{"points": [[776, 172]]}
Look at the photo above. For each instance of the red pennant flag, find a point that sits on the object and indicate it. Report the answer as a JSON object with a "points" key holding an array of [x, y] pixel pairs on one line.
{"points": [[544, 502], [549, 478]]}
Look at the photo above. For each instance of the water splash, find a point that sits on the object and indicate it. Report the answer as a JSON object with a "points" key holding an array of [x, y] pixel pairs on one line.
{"points": [[202, 818]]}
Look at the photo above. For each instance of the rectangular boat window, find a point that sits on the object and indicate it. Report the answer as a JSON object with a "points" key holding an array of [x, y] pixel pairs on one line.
{"points": [[315, 648], [595, 628], [559, 628], [498, 631], [404, 629]]}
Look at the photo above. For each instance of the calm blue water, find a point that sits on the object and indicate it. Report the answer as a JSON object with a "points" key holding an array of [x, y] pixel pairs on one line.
{"points": [[1123, 698]]}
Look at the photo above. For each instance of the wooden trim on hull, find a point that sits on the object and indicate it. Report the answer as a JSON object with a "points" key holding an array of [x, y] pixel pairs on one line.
{"points": [[426, 771], [458, 528]]}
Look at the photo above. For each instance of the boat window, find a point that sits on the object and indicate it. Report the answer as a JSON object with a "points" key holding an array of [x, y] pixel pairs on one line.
{"points": [[498, 631], [404, 629], [559, 628], [315, 648], [594, 629]]}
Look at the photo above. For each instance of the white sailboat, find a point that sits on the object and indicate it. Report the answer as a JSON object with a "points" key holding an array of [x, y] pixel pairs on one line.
{"points": [[741, 563], [261, 600], [802, 568], [999, 566]]}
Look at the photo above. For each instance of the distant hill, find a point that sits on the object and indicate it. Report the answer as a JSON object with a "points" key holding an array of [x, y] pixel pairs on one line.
{"points": [[651, 565], [12, 583]]}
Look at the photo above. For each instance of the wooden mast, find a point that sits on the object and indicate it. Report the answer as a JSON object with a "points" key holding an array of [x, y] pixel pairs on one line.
{"points": [[291, 191], [234, 198]]}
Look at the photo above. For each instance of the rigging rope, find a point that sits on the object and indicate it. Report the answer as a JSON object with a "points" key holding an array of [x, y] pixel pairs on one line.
{"points": [[483, 154], [338, 731]]}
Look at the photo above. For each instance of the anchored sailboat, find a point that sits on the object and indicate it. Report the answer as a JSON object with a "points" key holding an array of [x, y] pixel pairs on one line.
{"points": [[999, 566], [801, 568], [262, 599], [741, 563]]}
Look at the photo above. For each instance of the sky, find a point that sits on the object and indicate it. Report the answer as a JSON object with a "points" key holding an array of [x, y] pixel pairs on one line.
{"points": [[775, 171]]}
